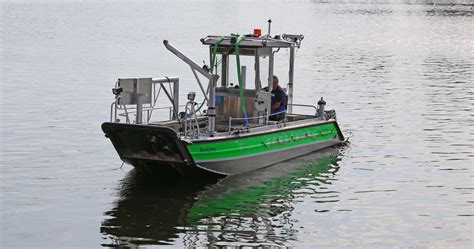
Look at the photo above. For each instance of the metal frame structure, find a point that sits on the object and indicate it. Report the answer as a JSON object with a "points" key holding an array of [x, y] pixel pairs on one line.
{"points": [[249, 46], [257, 47], [172, 94], [190, 144], [211, 101]]}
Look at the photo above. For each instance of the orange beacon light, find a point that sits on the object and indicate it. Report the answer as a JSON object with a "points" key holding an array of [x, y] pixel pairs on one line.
{"points": [[257, 32]]}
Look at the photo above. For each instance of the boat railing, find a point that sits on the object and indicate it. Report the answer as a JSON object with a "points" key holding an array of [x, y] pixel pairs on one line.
{"points": [[303, 105], [261, 117], [320, 112], [146, 112], [139, 96], [267, 117]]}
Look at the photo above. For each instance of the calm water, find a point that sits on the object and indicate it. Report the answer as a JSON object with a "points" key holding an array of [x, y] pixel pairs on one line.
{"points": [[399, 75]]}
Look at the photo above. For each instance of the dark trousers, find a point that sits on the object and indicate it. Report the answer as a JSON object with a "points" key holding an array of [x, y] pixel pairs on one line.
{"points": [[277, 117]]}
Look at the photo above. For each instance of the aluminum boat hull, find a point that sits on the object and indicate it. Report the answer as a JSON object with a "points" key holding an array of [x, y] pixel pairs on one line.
{"points": [[159, 148], [244, 164]]}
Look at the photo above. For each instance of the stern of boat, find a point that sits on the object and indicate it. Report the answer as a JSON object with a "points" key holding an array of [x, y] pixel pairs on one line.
{"points": [[152, 148]]}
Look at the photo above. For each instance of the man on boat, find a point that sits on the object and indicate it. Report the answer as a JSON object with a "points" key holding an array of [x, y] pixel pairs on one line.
{"points": [[278, 101]]}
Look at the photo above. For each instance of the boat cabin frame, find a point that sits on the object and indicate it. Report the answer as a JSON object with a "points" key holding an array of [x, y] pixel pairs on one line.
{"points": [[225, 111]]}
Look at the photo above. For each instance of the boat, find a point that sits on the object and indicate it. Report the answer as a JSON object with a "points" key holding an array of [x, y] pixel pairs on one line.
{"points": [[232, 130]]}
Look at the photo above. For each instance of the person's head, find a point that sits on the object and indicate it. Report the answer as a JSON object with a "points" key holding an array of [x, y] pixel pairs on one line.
{"points": [[275, 82]]}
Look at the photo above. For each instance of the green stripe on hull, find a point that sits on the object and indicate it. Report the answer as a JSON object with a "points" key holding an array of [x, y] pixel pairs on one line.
{"points": [[245, 146]]}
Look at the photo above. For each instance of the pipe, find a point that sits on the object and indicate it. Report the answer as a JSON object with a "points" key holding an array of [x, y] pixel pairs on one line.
{"points": [[291, 78], [187, 60]]}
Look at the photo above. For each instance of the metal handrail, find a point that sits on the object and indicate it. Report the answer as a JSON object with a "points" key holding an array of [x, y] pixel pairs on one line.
{"points": [[153, 108], [146, 109], [302, 105], [125, 112], [193, 117], [255, 117]]}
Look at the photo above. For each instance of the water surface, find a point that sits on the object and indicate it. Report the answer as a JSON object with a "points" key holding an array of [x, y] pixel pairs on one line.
{"points": [[399, 75]]}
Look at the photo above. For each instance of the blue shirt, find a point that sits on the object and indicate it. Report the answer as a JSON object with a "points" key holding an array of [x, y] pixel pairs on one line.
{"points": [[278, 95]]}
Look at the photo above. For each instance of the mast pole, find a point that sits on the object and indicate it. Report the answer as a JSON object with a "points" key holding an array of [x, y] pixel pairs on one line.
{"points": [[269, 27], [290, 79]]}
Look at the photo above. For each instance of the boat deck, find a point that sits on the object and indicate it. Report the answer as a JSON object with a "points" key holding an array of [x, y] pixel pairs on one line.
{"points": [[292, 121]]}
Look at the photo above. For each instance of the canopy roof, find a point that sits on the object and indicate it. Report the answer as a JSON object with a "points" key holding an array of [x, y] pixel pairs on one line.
{"points": [[255, 42]]}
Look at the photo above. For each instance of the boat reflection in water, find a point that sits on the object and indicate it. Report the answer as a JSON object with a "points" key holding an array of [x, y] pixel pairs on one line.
{"points": [[249, 209]]}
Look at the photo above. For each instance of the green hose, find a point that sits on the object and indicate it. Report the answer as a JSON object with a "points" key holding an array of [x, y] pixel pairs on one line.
{"points": [[239, 73], [239, 76]]}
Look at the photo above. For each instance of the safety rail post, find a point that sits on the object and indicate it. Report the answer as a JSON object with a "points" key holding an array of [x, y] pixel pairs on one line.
{"points": [[211, 106], [112, 111], [185, 121], [139, 113], [291, 72], [176, 98]]}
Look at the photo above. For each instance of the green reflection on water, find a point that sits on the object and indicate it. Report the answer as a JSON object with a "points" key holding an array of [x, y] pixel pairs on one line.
{"points": [[264, 195]]}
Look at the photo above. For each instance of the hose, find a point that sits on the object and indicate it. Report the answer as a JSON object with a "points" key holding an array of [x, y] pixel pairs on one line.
{"points": [[239, 76]]}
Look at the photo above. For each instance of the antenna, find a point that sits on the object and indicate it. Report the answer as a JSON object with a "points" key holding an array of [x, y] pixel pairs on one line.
{"points": [[269, 26]]}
